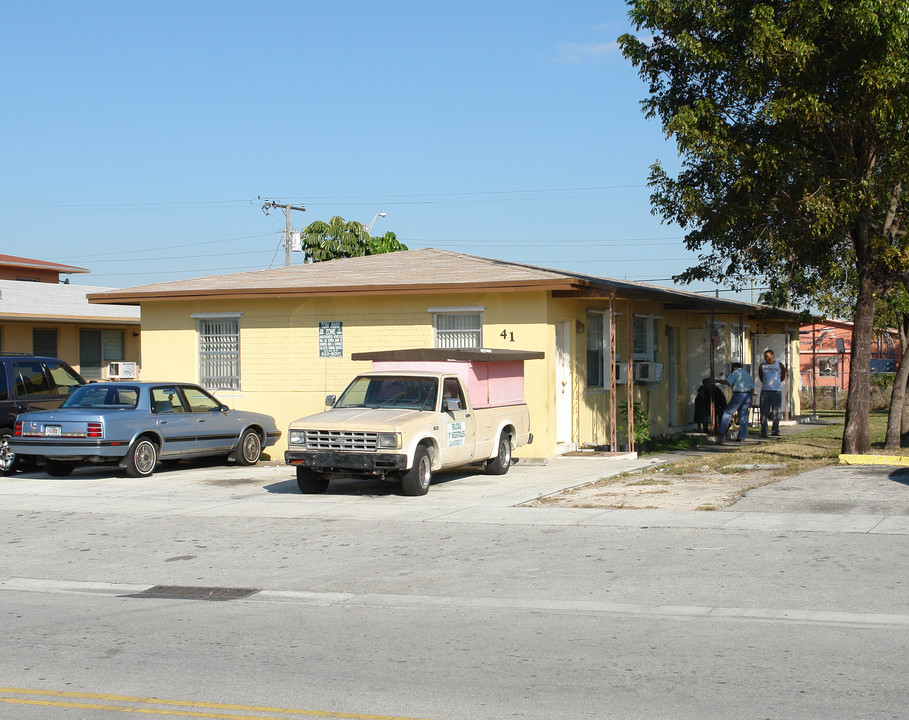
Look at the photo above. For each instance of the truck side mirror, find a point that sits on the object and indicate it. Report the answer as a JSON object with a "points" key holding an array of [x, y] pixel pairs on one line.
{"points": [[330, 400], [451, 404]]}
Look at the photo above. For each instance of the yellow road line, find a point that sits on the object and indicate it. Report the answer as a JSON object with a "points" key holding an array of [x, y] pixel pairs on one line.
{"points": [[166, 711]]}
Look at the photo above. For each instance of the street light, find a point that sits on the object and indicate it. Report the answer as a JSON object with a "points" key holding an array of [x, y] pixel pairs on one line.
{"points": [[372, 222]]}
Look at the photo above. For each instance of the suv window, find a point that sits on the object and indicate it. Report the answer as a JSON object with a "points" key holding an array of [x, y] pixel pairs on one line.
{"points": [[64, 378], [30, 378], [4, 387]]}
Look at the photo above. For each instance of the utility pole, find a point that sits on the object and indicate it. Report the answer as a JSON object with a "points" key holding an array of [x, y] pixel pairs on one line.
{"points": [[268, 204]]}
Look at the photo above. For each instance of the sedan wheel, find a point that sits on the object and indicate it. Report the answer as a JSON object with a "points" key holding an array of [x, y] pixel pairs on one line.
{"points": [[250, 448], [142, 459]]}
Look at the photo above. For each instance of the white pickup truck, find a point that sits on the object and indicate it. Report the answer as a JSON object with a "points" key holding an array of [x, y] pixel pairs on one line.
{"points": [[407, 425]]}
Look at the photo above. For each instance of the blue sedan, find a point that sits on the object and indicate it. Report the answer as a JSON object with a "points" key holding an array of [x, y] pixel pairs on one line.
{"points": [[136, 424]]}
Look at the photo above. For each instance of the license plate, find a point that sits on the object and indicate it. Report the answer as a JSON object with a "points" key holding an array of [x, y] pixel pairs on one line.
{"points": [[52, 431]]}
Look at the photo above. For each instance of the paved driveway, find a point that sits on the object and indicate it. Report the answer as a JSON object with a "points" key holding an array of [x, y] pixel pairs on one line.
{"points": [[843, 499]]}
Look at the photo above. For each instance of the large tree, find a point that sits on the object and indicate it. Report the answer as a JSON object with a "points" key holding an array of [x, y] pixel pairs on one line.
{"points": [[340, 238], [791, 119]]}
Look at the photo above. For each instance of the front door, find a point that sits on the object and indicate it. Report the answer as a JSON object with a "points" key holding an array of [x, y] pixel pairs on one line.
{"points": [[698, 365], [777, 343], [672, 375], [459, 429], [563, 383], [217, 429]]}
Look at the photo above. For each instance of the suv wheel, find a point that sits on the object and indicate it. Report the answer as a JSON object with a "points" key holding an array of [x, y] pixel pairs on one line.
{"points": [[8, 463]]}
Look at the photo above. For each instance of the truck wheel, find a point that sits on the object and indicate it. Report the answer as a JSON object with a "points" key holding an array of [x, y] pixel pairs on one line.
{"points": [[310, 482], [142, 458], [59, 468], [416, 480], [502, 461], [8, 461], [250, 448]]}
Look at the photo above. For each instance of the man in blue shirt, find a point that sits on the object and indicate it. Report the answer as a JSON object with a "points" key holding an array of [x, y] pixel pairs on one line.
{"points": [[772, 374], [742, 386]]}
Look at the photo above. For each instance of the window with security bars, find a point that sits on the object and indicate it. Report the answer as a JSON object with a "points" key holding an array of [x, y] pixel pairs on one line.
{"points": [[219, 353], [459, 330]]}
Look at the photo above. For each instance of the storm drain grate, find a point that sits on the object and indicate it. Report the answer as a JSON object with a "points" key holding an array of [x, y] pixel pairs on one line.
{"points": [[188, 592]]}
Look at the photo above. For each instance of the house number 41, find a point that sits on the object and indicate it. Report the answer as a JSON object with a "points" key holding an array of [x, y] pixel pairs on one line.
{"points": [[505, 335]]}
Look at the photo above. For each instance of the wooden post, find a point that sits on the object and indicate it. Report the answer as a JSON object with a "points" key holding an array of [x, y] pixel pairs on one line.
{"points": [[613, 432], [629, 333]]}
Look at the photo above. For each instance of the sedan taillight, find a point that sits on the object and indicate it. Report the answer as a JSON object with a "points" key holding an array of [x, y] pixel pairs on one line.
{"points": [[94, 430], [17, 431]]}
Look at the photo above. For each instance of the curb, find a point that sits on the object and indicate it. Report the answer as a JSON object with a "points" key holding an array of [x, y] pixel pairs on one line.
{"points": [[874, 460]]}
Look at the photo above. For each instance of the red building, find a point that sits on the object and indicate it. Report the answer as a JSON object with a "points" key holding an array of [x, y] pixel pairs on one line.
{"points": [[824, 350]]}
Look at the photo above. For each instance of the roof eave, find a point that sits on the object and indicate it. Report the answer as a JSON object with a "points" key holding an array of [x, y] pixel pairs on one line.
{"points": [[136, 298]]}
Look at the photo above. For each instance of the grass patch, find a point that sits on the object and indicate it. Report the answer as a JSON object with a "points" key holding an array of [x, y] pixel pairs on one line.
{"points": [[650, 481], [804, 451], [667, 443]]}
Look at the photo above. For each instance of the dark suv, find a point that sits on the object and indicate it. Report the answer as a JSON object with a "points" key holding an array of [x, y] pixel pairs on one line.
{"points": [[28, 382]]}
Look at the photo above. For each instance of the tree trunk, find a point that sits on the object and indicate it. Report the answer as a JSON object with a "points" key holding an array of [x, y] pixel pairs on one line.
{"points": [[897, 415], [856, 438], [904, 421]]}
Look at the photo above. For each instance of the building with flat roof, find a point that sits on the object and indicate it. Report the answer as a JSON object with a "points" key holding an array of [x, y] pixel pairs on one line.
{"points": [[42, 316]]}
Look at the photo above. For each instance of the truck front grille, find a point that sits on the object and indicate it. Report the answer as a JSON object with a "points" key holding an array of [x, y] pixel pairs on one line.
{"points": [[341, 440]]}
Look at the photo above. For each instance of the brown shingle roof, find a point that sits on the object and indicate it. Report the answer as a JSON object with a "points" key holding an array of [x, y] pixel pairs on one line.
{"points": [[413, 272], [410, 271]]}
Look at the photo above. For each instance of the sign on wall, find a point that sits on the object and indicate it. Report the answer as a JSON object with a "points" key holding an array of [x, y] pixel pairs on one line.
{"points": [[331, 339]]}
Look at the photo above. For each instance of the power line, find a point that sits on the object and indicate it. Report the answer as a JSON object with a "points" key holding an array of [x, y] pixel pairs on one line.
{"points": [[400, 199], [219, 241]]}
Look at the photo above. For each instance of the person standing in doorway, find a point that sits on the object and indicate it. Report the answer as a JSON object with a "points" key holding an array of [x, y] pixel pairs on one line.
{"points": [[741, 384], [772, 374]]}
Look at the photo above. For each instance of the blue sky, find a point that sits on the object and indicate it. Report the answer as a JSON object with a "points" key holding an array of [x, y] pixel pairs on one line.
{"points": [[138, 136]]}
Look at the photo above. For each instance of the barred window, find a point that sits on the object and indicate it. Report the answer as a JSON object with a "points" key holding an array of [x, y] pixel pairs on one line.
{"points": [[459, 330], [219, 353]]}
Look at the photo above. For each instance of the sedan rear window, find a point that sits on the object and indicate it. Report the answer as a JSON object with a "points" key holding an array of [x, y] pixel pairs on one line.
{"points": [[103, 396]]}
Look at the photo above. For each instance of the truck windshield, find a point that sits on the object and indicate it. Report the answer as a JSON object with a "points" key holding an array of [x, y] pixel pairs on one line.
{"points": [[391, 391]]}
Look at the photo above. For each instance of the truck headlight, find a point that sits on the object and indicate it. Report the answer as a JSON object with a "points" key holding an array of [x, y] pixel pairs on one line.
{"points": [[389, 441], [297, 437]]}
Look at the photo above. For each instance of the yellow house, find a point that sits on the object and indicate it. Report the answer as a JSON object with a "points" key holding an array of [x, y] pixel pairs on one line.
{"points": [[278, 341], [42, 316]]}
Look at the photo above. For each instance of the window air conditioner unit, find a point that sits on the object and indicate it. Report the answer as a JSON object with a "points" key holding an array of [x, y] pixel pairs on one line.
{"points": [[621, 373], [121, 371], [648, 372]]}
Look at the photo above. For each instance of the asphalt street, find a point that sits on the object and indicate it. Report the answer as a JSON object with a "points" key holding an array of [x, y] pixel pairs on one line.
{"points": [[459, 604]]}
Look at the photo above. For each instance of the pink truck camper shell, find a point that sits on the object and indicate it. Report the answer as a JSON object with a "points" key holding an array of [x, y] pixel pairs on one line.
{"points": [[492, 377]]}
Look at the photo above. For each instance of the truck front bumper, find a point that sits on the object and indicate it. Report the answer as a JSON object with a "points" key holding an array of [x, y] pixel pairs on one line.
{"points": [[371, 463]]}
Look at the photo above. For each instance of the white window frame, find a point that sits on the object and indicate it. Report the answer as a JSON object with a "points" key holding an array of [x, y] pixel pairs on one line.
{"points": [[650, 337], [227, 358], [737, 343], [450, 312], [601, 317]]}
